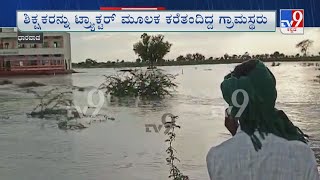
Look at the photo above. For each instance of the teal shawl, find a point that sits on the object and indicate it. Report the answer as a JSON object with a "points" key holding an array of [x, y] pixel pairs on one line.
{"points": [[260, 114]]}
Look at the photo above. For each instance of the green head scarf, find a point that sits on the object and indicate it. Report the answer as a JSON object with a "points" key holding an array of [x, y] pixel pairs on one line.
{"points": [[260, 113]]}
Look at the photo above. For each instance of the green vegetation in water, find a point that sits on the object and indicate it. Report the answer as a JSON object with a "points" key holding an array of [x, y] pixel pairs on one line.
{"points": [[149, 84], [275, 64], [67, 125], [53, 102], [175, 173], [59, 105], [5, 82], [30, 84], [317, 79], [310, 64], [81, 89]]}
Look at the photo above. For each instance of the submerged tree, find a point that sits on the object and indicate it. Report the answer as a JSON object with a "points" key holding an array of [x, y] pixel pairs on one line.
{"points": [[304, 46], [152, 49], [137, 83]]}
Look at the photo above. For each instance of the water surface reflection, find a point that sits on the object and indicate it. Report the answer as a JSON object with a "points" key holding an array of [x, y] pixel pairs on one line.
{"points": [[121, 149]]}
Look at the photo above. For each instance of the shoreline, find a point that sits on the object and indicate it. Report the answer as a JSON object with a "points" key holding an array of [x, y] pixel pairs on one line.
{"points": [[186, 63]]}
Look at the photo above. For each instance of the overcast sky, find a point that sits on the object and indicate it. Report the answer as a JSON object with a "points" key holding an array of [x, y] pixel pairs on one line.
{"points": [[104, 46]]}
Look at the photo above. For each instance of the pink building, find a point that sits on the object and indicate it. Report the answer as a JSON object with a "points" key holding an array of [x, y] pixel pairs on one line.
{"points": [[51, 57]]}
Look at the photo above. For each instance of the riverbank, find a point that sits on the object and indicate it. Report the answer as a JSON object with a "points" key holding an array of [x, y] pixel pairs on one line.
{"points": [[124, 64]]}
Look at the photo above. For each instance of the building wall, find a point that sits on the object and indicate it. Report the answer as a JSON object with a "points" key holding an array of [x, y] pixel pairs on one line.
{"points": [[22, 63], [56, 48], [67, 48], [8, 43], [6, 29], [1, 63]]}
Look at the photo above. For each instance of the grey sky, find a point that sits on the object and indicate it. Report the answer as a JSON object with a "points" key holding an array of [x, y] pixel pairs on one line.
{"points": [[112, 46]]}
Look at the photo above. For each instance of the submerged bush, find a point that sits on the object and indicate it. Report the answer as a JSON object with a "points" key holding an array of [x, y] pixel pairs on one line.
{"points": [[68, 125], [81, 89], [152, 83], [59, 105], [54, 103], [4, 82], [275, 64], [317, 79], [30, 84]]}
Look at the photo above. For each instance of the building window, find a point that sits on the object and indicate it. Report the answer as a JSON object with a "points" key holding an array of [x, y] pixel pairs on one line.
{"points": [[45, 55], [14, 63], [33, 46], [55, 44], [53, 62], [57, 55], [33, 62], [45, 45], [21, 46], [6, 45]]}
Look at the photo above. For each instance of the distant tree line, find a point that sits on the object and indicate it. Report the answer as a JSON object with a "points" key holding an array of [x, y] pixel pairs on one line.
{"points": [[151, 51]]}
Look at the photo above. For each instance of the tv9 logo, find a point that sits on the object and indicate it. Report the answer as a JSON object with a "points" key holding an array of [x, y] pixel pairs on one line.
{"points": [[292, 21]]}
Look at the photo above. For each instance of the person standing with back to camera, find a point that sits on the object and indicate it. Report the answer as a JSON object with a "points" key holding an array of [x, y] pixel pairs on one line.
{"points": [[265, 145]]}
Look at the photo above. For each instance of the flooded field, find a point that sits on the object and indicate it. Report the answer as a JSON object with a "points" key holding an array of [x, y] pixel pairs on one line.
{"points": [[36, 149]]}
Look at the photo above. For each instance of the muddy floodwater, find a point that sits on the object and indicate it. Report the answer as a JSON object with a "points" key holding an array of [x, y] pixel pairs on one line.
{"points": [[35, 149]]}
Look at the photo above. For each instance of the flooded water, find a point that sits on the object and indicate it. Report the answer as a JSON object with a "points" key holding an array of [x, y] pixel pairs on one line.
{"points": [[35, 149]]}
